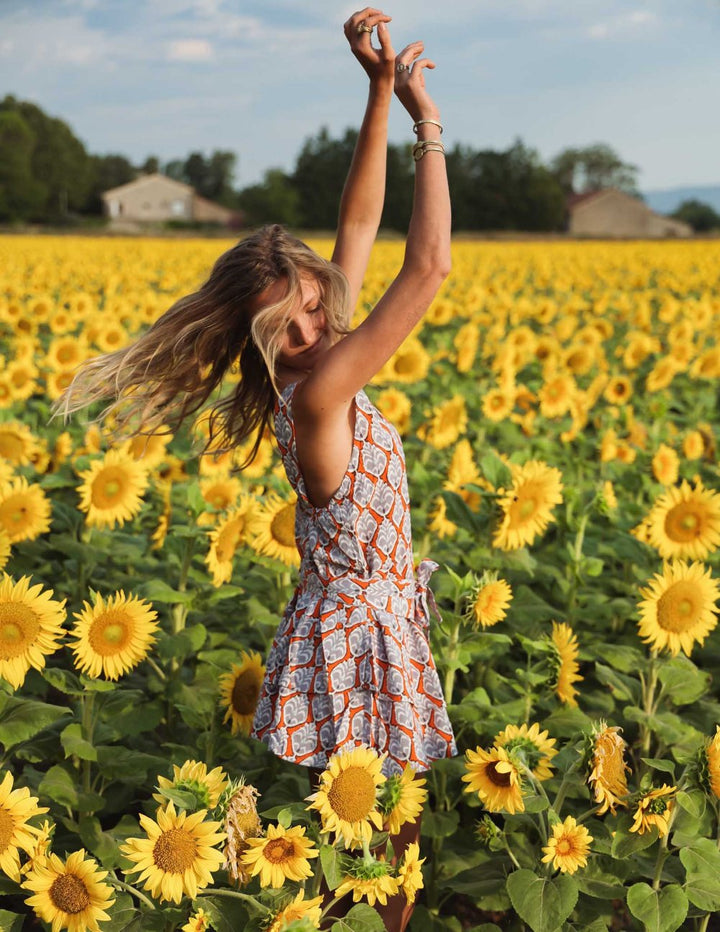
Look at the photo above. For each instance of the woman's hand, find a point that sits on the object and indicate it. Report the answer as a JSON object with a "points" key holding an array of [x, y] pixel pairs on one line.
{"points": [[410, 83], [378, 63]]}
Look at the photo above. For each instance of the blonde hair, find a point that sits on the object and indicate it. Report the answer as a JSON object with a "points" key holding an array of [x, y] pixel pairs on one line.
{"points": [[170, 371]]}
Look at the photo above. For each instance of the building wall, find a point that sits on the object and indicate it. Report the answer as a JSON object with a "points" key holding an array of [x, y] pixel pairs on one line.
{"points": [[152, 199], [614, 213]]}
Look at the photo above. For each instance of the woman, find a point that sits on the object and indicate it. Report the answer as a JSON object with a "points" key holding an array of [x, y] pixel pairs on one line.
{"points": [[351, 663]]}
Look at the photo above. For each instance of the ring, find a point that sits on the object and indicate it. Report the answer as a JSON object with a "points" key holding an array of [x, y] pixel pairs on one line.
{"points": [[402, 67], [361, 27]]}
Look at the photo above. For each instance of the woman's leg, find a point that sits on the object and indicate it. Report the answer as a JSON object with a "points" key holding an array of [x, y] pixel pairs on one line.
{"points": [[397, 912]]}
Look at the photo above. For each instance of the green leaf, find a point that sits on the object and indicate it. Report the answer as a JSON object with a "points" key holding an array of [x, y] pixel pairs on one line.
{"points": [[701, 861], [543, 903], [494, 470], [626, 843], [330, 861], [20, 719], [10, 922], [59, 786], [692, 801], [65, 681], [73, 742], [661, 910], [623, 658], [361, 918], [284, 817], [623, 687], [226, 914], [682, 680], [535, 803], [666, 766], [157, 590], [440, 824]]}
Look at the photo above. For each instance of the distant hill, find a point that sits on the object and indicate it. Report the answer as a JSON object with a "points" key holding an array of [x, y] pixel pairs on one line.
{"points": [[665, 202]]}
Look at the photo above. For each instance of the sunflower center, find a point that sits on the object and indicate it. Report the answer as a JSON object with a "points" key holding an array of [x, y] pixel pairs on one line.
{"points": [[526, 749], [174, 851], [563, 845], [676, 609], [19, 627], [7, 827], [282, 527], [352, 794], [109, 633], [108, 486], [682, 523], [244, 693], [657, 806], [279, 850], [69, 894], [524, 507], [498, 777]]}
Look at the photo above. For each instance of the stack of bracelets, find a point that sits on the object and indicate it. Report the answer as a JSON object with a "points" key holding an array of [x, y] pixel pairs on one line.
{"points": [[426, 145]]}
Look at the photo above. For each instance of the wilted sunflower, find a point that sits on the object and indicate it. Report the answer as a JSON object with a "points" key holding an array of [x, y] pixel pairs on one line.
{"points": [[569, 846], [531, 745], [113, 636], [607, 777], [178, 857], [240, 689], [282, 854], [654, 809], [232, 531], [685, 522], [298, 908], [710, 763], [241, 822], [490, 602], [407, 797], [567, 650], [112, 489], [665, 465], [347, 795], [527, 505], [31, 625], [194, 776], [495, 778], [678, 607], [70, 894], [24, 509], [16, 808], [274, 530]]}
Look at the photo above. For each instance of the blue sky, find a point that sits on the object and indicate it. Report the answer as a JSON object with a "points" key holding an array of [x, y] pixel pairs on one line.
{"points": [[167, 77]]}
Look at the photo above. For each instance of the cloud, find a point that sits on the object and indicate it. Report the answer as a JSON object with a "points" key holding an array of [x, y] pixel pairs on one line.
{"points": [[625, 24], [190, 50]]}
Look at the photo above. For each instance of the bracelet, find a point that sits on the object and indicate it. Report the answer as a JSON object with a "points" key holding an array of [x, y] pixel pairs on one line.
{"points": [[426, 145], [420, 122]]}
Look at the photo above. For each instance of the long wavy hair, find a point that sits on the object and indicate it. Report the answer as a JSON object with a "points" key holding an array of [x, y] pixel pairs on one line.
{"points": [[169, 372]]}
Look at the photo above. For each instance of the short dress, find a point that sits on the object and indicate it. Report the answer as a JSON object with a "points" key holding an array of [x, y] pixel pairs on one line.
{"points": [[351, 662]]}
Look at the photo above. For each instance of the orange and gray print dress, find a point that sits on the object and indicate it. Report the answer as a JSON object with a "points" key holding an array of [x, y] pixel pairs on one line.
{"points": [[351, 663]]}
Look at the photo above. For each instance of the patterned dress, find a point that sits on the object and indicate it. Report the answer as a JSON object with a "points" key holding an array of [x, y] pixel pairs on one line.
{"points": [[351, 663]]}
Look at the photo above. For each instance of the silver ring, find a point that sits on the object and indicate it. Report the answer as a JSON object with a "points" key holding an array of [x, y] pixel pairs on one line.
{"points": [[361, 27], [402, 67]]}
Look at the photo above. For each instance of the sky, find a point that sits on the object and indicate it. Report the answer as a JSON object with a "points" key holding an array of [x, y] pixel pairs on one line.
{"points": [[258, 77]]}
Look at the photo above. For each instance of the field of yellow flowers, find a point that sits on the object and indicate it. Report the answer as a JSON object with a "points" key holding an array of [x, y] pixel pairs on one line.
{"points": [[559, 411]]}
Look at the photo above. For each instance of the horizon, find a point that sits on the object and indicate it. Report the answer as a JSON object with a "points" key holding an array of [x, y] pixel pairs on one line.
{"points": [[171, 77]]}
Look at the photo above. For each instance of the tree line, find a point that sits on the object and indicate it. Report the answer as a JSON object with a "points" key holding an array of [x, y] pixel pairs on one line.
{"points": [[47, 175]]}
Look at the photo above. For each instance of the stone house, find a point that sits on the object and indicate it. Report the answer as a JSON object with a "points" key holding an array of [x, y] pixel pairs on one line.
{"points": [[613, 213], [156, 198]]}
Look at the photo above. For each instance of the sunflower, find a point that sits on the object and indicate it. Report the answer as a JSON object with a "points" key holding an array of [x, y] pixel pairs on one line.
{"points": [[407, 795], [149, 449], [497, 404], [274, 531], [18, 444], [685, 522], [608, 495], [42, 841], [16, 808], [395, 406], [70, 894], [347, 796], [240, 689], [31, 625], [198, 922], [113, 636], [693, 445], [569, 846], [566, 653], [463, 471], [282, 854], [662, 374], [466, 342], [410, 877], [193, 775], [112, 489], [495, 778], [678, 607], [618, 390], [299, 908], [241, 822], [220, 492], [710, 761], [439, 522], [531, 745], [607, 777], [448, 422], [556, 395], [654, 809], [178, 856], [665, 465], [369, 880], [231, 532], [527, 505], [410, 363], [490, 602], [24, 510]]}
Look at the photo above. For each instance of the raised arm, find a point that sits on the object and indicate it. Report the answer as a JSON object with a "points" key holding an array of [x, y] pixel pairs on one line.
{"points": [[364, 192]]}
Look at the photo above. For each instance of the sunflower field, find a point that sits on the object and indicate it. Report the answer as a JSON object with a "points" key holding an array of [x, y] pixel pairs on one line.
{"points": [[559, 411]]}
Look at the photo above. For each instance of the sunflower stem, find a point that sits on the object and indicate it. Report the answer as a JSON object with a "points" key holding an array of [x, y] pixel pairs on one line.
{"points": [[451, 654], [648, 700], [562, 789], [133, 890], [235, 894], [87, 700], [179, 610], [509, 851], [663, 851], [160, 672]]}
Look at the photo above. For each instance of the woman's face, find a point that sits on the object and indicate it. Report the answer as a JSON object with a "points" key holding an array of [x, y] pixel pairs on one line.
{"points": [[307, 336]]}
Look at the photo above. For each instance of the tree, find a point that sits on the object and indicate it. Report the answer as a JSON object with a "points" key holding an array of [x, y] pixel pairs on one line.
{"points": [[150, 165], [592, 168], [701, 217], [275, 200], [108, 171], [319, 177], [20, 194]]}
